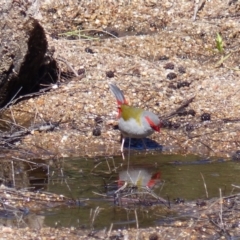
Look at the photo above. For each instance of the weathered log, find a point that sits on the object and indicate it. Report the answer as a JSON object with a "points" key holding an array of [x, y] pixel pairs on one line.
{"points": [[23, 53]]}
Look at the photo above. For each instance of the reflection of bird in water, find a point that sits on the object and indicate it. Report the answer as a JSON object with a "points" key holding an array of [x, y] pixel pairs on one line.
{"points": [[139, 177]]}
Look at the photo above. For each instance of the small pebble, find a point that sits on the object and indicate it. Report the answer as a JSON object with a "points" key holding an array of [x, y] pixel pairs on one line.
{"points": [[183, 84], [171, 76], [110, 74], [169, 66], [89, 50], [163, 58], [166, 124], [205, 117], [98, 120], [191, 112], [236, 156], [181, 69], [96, 131], [176, 125], [172, 85], [189, 127], [81, 71], [183, 113]]}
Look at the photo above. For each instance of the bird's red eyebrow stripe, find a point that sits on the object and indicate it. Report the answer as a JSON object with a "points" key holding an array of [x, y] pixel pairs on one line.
{"points": [[153, 126]]}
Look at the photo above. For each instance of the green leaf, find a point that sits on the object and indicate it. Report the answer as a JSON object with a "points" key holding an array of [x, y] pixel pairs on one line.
{"points": [[219, 42]]}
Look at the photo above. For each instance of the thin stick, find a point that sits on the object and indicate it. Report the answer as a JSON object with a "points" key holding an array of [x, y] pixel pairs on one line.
{"points": [[195, 10], [99, 30], [113, 161], [40, 92], [6, 121], [221, 210], [121, 188], [129, 153], [110, 230], [205, 185], [23, 160], [198, 6], [69, 65], [236, 186], [96, 166], [89, 30], [67, 185], [10, 102], [109, 169], [13, 175], [13, 118], [90, 213], [95, 214], [99, 194], [136, 217]]}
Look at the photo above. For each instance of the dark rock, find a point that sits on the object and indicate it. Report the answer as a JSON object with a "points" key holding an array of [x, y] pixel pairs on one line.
{"points": [[172, 86], [176, 125], [110, 74], [98, 120], [169, 66], [163, 58], [178, 200], [201, 203], [181, 69], [96, 131], [191, 112], [154, 236], [205, 117], [183, 84], [136, 72], [81, 71], [236, 156], [171, 76], [89, 50], [183, 113], [115, 127], [166, 124], [189, 127], [130, 29]]}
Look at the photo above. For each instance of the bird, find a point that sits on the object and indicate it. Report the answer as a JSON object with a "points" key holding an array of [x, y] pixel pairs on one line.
{"points": [[140, 177], [133, 122]]}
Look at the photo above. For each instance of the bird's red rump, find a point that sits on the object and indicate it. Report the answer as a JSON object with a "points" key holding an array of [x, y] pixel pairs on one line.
{"points": [[153, 125]]}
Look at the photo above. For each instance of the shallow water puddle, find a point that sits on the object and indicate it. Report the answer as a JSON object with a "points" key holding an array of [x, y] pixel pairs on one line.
{"points": [[94, 182]]}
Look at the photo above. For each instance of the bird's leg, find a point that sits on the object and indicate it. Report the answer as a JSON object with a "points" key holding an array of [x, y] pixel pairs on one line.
{"points": [[123, 140], [129, 144], [144, 144]]}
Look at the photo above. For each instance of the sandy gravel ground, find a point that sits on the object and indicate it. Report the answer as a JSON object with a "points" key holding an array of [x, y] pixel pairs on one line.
{"points": [[160, 58]]}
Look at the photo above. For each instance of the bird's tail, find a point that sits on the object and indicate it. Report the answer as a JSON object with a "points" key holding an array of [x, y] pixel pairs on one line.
{"points": [[118, 94]]}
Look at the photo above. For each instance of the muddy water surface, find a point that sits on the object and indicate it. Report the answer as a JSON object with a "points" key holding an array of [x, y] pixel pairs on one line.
{"points": [[94, 181]]}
